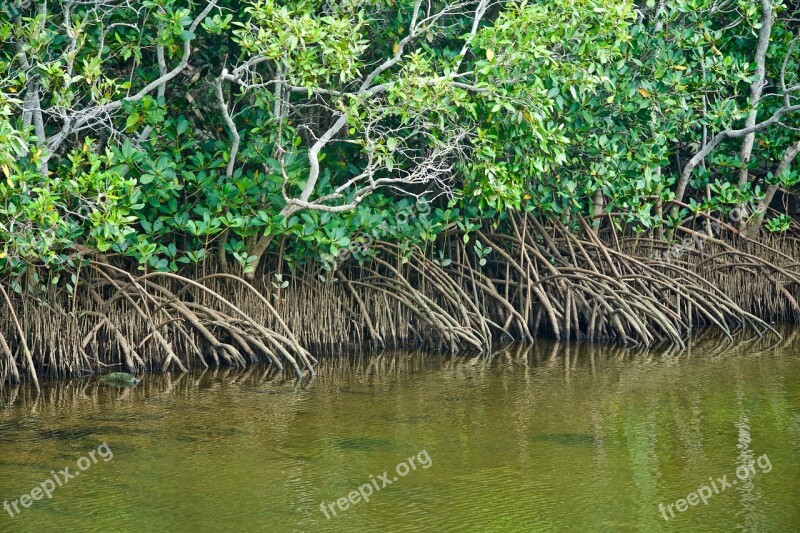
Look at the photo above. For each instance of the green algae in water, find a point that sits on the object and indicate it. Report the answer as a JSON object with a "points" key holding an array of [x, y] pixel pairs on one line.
{"points": [[362, 444], [119, 379], [569, 439]]}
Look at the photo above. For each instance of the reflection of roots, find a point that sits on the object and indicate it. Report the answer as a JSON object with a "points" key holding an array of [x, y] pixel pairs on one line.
{"points": [[540, 279], [347, 374]]}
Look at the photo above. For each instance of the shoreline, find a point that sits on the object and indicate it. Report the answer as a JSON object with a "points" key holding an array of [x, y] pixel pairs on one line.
{"points": [[540, 281]]}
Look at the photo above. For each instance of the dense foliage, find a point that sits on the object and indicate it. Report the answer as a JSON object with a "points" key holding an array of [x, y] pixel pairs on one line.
{"points": [[168, 130]]}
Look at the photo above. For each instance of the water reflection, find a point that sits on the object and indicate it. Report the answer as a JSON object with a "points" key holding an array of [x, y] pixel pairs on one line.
{"points": [[543, 437]]}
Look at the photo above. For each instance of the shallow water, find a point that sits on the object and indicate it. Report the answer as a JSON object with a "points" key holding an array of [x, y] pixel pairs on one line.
{"points": [[547, 438]]}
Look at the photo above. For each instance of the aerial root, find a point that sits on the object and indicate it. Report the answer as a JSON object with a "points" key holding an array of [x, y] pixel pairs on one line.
{"points": [[548, 279], [541, 278], [147, 320], [22, 339]]}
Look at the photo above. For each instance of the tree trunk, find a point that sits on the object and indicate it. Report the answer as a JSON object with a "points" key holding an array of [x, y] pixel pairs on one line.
{"points": [[783, 166], [756, 89]]}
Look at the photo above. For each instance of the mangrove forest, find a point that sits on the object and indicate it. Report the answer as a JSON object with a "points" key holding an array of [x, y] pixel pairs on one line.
{"points": [[399, 265], [215, 183]]}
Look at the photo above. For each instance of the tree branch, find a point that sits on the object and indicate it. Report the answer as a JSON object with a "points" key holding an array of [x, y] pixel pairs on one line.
{"points": [[234, 133], [72, 124], [786, 161], [756, 87], [718, 138]]}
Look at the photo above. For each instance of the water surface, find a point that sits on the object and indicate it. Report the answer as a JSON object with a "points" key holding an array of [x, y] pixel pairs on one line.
{"points": [[545, 438]]}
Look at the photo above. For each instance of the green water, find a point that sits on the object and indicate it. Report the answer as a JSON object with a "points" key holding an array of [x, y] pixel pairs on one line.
{"points": [[550, 438]]}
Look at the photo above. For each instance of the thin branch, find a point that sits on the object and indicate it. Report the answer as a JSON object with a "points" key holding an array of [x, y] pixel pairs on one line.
{"points": [[718, 138], [234, 133], [71, 124]]}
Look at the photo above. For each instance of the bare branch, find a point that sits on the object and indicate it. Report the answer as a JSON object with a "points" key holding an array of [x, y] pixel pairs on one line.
{"points": [[721, 136], [234, 133], [757, 87], [72, 123], [786, 161]]}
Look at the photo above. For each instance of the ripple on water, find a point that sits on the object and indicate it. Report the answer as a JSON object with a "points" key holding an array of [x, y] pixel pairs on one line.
{"points": [[537, 445], [362, 444]]}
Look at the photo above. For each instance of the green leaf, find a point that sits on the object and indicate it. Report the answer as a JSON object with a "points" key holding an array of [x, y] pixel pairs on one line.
{"points": [[132, 122]]}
